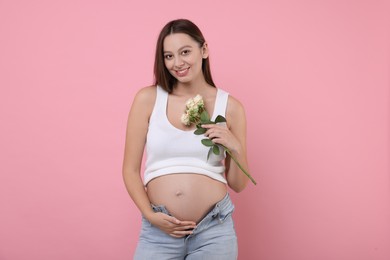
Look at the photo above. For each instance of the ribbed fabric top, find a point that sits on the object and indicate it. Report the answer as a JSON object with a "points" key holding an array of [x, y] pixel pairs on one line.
{"points": [[171, 150]]}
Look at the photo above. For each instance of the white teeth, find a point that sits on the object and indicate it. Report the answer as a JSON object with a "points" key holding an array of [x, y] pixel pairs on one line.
{"points": [[181, 72]]}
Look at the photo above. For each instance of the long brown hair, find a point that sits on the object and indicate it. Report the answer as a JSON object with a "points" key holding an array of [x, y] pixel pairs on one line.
{"points": [[161, 74]]}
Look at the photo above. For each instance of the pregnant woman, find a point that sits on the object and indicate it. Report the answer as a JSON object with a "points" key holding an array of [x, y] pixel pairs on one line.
{"points": [[182, 196]]}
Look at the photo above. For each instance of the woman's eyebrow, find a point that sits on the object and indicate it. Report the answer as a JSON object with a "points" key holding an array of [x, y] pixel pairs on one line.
{"points": [[185, 46]]}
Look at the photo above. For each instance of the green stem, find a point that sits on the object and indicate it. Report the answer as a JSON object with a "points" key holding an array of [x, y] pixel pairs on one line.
{"points": [[239, 166]]}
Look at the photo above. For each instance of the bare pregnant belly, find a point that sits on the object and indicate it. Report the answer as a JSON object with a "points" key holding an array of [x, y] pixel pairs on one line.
{"points": [[186, 196]]}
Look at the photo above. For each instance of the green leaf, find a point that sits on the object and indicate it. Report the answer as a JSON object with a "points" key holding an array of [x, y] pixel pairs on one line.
{"points": [[216, 149], [200, 131], [209, 153], [220, 119], [204, 117], [207, 142]]}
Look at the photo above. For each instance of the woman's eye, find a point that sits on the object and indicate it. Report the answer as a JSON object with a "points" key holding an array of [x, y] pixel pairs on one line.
{"points": [[186, 52], [168, 56]]}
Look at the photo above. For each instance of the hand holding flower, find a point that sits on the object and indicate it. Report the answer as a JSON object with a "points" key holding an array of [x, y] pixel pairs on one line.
{"points": [[220, 134], [216, 131]]}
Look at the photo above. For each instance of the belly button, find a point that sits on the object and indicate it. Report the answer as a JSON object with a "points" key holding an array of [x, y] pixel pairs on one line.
{"points": [[179, 193]]}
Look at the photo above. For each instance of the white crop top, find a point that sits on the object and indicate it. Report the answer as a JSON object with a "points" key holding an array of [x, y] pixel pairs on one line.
{"points": [[172, 150]]}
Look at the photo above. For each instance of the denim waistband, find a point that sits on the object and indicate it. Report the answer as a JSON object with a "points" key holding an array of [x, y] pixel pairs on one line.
{"points": [[224, 206], [221, 208]]}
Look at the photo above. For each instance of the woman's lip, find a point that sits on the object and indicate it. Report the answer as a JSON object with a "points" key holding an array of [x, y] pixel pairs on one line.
{"points": [[182, 73]]}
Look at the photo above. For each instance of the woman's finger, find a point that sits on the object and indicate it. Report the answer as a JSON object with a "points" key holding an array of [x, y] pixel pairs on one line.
{"points": [[182, 233], [184, 228], [173, 220]]}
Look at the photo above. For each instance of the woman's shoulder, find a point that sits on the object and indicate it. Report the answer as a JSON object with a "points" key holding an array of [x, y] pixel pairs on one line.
{"points": [[234, 109], [234, 103], [144, 100], [146, 95], [232, 100]]}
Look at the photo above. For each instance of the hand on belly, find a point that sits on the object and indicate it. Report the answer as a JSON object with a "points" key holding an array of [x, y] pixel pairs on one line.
{"points": [[171, 225]]}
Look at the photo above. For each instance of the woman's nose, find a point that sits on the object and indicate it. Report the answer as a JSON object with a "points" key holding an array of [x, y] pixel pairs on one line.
{"points": [[178, 62]]}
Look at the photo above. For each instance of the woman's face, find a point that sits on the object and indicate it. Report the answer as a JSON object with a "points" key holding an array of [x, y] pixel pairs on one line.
{"points": [[183, 57]]}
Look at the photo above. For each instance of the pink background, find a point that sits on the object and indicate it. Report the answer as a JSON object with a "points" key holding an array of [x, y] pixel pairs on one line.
{"points": [[314, 78]]}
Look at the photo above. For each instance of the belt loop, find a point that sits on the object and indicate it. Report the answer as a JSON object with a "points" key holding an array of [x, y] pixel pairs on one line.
{"points": [[219, 214], [216, 211]]}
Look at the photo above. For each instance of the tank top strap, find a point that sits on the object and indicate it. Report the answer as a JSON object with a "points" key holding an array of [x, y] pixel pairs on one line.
{"points": [[220, 103], [161, 102]]}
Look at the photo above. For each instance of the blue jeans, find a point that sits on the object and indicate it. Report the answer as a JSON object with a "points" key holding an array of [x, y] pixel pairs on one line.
{"points": [[213, 238]]}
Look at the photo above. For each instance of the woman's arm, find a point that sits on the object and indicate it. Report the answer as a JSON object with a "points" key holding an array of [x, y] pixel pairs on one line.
{"points": [[234, 138], [235, 114], [137, 128]]}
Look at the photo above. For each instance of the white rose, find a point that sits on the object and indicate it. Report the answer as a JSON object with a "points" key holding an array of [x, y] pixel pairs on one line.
{"points": [[198, 100], [190, 103], [185, 119], [193, 110]]}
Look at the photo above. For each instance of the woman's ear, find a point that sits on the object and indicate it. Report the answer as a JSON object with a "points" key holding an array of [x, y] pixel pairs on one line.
{"points": [[205, 51]]}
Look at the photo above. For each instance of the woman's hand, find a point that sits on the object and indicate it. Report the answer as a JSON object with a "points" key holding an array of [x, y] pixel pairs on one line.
{"points": [[171, 225], [220, 134]]}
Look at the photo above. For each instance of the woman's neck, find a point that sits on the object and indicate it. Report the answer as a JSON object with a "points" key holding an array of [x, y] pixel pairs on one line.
{"points": [[190, 88]]}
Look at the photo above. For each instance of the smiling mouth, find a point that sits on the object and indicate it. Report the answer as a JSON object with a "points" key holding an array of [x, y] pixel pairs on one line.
{"points": [[183, 72]]}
